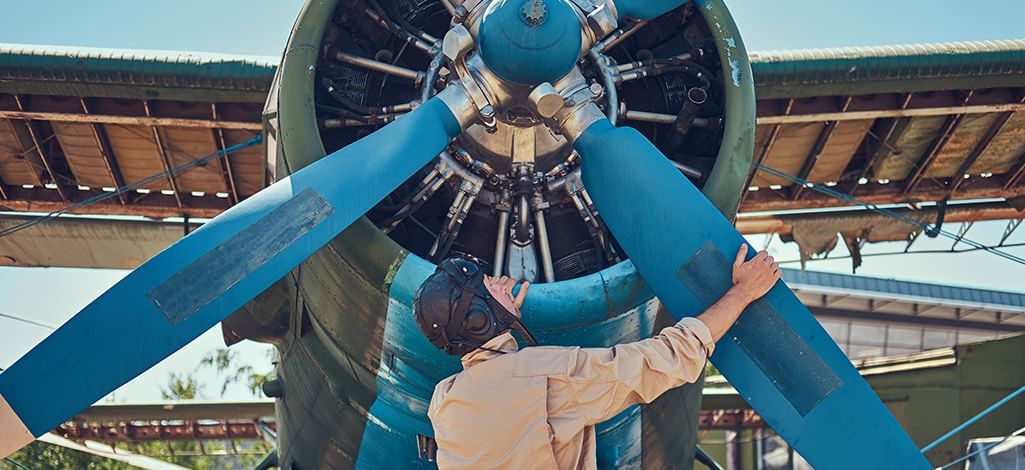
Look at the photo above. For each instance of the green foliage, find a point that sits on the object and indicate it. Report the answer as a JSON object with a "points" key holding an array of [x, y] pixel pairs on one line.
{"points": [[39, 455], [224, 362], [181, 387]]}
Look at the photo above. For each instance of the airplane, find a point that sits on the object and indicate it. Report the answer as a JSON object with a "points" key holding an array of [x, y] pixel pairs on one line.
{"points": [[474, 145]]}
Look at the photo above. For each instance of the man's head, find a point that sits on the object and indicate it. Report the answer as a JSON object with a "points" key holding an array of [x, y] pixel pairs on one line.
{"points": [[458, 308]]}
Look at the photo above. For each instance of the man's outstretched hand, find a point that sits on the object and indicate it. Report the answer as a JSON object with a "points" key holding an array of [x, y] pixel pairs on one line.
{"points": [[754, 278], [751, 280]]}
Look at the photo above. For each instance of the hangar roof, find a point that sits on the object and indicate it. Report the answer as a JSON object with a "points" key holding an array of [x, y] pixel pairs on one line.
{"points": [[891, 125], [896, 301], [77, 122]]}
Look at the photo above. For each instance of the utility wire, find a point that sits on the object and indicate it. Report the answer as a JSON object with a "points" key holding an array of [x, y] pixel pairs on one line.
{"points": [[982, 449], [16, 463], [929, 228], [28, 321], [902, 252], [974, 419], [258, 138]]}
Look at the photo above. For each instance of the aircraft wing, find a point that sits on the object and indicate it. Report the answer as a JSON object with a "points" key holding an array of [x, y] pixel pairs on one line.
{"points": [[77, 123], [891, 125]]}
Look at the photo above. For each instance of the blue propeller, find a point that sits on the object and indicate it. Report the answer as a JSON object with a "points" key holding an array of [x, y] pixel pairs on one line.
{"points": [[777, 355], [184, 290]]}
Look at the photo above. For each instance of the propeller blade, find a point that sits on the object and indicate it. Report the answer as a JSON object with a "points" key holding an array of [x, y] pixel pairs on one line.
{"points": [[190, 286], [645, 9], [777, 355]]}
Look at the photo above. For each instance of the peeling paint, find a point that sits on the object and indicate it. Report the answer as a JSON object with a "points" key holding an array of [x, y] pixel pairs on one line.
{"points": [[393, 269], [730, 46], [735, 71]]}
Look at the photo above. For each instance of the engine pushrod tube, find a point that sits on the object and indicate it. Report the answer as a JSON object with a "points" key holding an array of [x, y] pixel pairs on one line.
{"points": [[542, 244], [619, 36], [663, 118], [500, 242], [382, 67]]}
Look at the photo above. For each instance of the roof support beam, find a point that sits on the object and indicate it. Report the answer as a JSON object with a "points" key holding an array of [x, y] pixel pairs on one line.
{"points": [[229, 176], [1015, 175], [946, 132], [782, 223], [816, 151], [977, 151], [769, 143], [961, 232], [1012, 226], [37, 143], [108, 155], [923, 164], [154, 210], [888, 113], [813, 157], [887, 142], [164, 160], [130, 120], [774, 134], [3, 190]]}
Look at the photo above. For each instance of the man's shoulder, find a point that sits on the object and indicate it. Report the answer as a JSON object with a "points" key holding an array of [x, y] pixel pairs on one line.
{"points": [[445, 383], [544, 360], [439, 392]]}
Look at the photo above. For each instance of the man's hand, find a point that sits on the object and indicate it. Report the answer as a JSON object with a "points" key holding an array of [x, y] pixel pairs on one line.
{"points": [[751, 280], [502, 289], [755, 277]]}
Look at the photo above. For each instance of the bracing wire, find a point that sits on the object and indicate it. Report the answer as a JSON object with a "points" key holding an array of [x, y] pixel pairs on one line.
{"points": [[982, 449], [889, 213], [134, 185], [15, 463], [27, 320], [901, 252]]}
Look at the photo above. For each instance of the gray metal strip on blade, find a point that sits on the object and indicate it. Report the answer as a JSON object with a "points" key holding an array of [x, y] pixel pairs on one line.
{"points": [[189, 290], [789, 362]]}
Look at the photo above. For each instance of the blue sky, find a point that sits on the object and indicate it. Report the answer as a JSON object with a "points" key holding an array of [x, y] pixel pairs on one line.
{"points": [[261, 28]]}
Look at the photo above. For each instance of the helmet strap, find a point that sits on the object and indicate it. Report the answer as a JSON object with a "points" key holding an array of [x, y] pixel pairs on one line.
{"points": [[455, 320]]}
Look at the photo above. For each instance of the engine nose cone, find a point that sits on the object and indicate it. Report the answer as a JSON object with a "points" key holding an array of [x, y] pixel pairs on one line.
{"points": [[530, 42]]}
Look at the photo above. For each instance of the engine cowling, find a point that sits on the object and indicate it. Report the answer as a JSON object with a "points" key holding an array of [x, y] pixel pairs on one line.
{"points": [[356, 374]]}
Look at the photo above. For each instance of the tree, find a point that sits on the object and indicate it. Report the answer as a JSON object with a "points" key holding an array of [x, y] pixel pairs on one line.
{"points": [[225, 361], [39, 455]]}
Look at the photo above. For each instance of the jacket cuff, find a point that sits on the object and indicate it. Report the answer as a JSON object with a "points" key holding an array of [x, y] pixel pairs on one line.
{"points": [[700, 331]]}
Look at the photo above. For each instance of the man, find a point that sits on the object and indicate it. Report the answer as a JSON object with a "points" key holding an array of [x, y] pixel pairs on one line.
{"points": [[537, 407]]}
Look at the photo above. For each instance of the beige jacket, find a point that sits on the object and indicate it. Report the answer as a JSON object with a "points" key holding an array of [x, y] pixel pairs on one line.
{"points": [[537, 408]]}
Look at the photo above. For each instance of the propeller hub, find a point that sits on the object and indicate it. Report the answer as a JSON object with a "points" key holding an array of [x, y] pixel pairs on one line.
{"points": [[533, 12], [530, 42]]}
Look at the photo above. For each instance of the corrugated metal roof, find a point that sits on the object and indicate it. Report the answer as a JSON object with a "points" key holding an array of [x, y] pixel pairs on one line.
{"points": [[84, 63], [908, 290], [60, 70], [900, 68]]}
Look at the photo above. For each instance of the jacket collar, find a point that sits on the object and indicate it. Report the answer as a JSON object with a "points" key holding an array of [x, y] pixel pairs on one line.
{"points": [[503, 342]]}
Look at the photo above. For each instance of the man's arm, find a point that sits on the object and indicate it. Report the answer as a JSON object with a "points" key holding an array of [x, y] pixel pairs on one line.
{"points": [[751, 280], [605, 381]]}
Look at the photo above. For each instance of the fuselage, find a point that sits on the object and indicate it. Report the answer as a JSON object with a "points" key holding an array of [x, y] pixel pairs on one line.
{"points": [[356, 374]]}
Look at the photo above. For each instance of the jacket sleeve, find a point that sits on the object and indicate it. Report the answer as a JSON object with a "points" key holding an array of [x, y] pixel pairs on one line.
{"points": [[605, 381]]}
